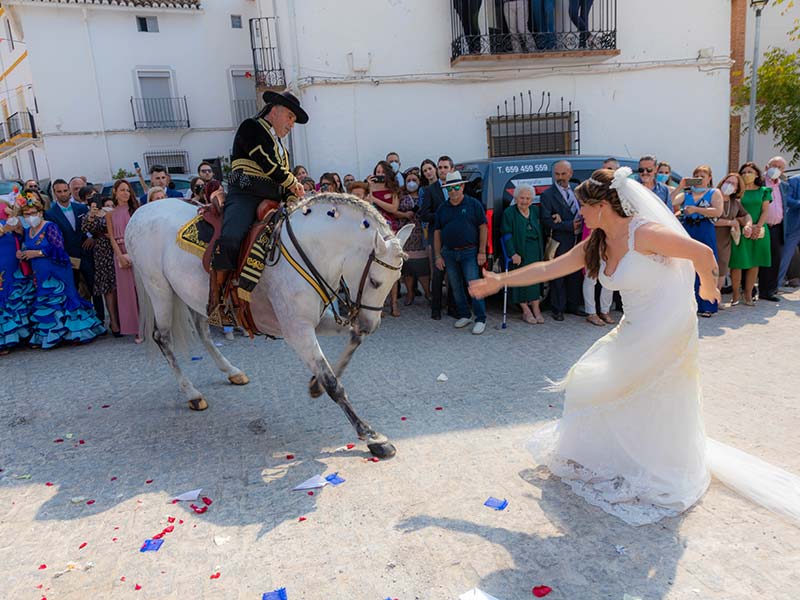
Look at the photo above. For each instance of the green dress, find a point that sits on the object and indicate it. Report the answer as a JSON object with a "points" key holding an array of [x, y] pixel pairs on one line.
{"points": [[753, 253], [526, 240]]}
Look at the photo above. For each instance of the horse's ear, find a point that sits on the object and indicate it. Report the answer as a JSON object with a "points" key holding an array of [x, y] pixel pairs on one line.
{"points": [[404, 234], [381, 247]]}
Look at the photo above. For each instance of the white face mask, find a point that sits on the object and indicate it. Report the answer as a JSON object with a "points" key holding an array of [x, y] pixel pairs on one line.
{"points": [[395, 166], [34, 220], [412, 186], [727, 188], [773, 173]]}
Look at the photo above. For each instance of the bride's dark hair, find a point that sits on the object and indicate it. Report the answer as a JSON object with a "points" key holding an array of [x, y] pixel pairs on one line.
{"points": [[591, 192]]}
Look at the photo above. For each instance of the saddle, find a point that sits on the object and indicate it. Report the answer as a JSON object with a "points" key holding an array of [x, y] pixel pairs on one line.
{"points": [[258, 247]]}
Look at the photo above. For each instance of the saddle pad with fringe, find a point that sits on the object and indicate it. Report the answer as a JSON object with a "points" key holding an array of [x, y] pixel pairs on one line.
{"points": [[195, 236]]}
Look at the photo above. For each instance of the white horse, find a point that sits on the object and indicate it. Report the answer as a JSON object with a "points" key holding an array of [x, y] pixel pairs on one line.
{"points": [[345, 241]]}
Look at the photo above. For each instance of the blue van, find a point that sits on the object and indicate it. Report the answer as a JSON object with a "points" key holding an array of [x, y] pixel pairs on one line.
{"points": [[492, 181]]}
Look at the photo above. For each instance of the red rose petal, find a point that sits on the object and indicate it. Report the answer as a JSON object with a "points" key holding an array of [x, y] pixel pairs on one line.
{"points": [[90, 502], [113, 479], [403, 418], [58, 441], [82, 546], [122, 578], [374, 459], [137, 587], [180, 521], [169, 529], [207, 501], [42, 567], [350, 446], [215, 575], [439, 408], [116, 528], [148, 481], [540, 591], [198, 509], [40, 586], [310, 493], [49, 483], [301, 519], [289, 456], [158, 536], [81, 442], [106, 406], [175, 501], [170, 519], [113, 539]]}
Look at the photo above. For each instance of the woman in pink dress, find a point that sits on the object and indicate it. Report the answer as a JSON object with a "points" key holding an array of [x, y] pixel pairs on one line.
{"points": [[125, 203]]}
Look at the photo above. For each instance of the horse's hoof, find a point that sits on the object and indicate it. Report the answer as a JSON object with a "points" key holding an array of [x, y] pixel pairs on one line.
{"points": [[382, 450], [314, 388], [239, 379], [198, 404]]}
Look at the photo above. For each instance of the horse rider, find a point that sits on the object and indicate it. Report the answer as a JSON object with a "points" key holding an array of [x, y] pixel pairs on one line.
{"points": [[260, 171]]}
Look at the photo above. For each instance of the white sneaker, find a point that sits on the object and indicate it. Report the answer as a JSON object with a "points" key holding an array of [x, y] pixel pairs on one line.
{"points": [[462, 322], [478, 328]]}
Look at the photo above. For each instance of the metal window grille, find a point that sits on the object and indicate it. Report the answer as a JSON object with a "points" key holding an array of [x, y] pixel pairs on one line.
{"points": [[175, 161], [160, 113], [517, 130], [147, 24], [489, 27], [266, 60]]}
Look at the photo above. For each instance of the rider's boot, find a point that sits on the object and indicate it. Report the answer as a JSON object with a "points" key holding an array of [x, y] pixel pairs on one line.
{"points": [[217, 309]]}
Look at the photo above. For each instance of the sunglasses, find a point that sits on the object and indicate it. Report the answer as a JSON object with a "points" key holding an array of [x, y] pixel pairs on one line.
{"points": [[454, 188], [206, 171], [643, 170]]}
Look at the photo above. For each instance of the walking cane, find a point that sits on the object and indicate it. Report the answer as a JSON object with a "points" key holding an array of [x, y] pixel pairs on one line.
{"points": [[505, 287]]}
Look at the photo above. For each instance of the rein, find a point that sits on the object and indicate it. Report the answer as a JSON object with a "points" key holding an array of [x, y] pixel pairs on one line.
{"points": [[325, 290]]}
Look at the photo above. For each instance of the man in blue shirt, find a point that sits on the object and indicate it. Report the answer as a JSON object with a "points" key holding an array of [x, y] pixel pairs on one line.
{"points": [[459, 242], [158, 177], [648, 165]]}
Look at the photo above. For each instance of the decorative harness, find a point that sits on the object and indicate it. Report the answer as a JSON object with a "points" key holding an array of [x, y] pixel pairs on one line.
{"points": [[324, 289]]}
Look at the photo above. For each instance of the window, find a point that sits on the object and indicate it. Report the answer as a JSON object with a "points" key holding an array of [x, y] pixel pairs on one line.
{"points": [[544, 133], [9, 36], [17, 172], [176, 161], [245, 103], [147, 24], [236, 21]]}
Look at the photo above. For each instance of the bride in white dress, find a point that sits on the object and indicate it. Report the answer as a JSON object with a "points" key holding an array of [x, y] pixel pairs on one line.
{"points": [[631, 440]]}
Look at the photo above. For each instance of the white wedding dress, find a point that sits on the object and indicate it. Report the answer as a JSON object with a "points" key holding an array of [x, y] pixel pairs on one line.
{"points": [[631, 440]]}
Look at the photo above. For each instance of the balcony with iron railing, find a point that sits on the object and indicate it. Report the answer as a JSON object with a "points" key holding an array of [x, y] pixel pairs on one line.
{"points": [[160, 113], [266, 58], [493, 29], [20, 124], [244, 109]]}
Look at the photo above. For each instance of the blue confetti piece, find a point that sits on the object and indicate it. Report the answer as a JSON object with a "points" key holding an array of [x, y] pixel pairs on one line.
{"points": [[276, 595], [228, 329], [496, 503], [334, 479], [151, 545], [197, 358]]}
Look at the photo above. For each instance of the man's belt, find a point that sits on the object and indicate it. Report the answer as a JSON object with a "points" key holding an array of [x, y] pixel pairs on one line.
{"points": [[463, 247]]}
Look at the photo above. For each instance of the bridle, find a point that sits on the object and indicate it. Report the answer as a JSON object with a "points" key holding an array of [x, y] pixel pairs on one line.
{"points": [[327, 292]]}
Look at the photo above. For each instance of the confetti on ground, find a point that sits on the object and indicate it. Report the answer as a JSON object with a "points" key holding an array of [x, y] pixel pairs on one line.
{"points": [[81, 442], [26, 476], [373, 459], [49, 483], [42, 567], [170, 519], [629, 597], [188, 496], [279, 594], [301, 519], [310, 493], [78, 500], [207, 501], [540, 591], [496, 503], [149, 481], [334, 479], [289, 456], [439, 408], [68, 436], [198, 509], [442, 377], [90, 502], [73, 567], [403, 418], [113, 479], [621, 549], [137, 587], [476, 594], [82, 546], [106, 406], [220, 540], [315, 482], [197, 358], [151, 545], [58, 440], [215, 575]]}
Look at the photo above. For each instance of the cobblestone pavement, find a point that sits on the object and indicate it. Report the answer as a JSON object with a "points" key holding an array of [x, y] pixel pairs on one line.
{"points": [[411, 528]]}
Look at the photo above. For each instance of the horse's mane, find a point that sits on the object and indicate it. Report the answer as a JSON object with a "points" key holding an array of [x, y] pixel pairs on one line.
{"points": [[366, 209]]}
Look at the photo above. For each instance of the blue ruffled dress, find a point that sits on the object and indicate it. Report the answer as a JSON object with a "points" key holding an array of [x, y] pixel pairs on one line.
{"points": [[58, 313], [16, 294]]}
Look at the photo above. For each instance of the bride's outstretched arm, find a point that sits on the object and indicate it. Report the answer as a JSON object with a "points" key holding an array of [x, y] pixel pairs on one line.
{"points": [[537, 272], [657, 239]]}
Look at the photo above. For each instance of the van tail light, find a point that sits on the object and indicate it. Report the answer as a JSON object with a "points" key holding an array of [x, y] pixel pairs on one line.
{"points": [[490, 237]]}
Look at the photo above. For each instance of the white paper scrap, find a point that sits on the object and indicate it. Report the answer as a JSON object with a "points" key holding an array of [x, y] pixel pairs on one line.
{"points": [[443, 377], [189, 496], [476, 594], [220, 540], [317, 481]]}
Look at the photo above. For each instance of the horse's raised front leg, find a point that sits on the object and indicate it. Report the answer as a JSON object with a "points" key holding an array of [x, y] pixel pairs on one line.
{"points": [[163, 339], [235, 375], [302, 338], [315, 387]]}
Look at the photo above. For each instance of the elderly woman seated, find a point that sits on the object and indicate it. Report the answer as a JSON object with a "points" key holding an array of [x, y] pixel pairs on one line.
{"points": [[522, 235]]}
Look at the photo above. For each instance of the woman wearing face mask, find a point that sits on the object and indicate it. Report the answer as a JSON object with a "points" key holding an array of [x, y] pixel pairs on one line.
{"points": [[16, 287], [198, 189], [700, 204], [57, 313], [753, 250], [733, 221], [416, 266], [664, 174]]}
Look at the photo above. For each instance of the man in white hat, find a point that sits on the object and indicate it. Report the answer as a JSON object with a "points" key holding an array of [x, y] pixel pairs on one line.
{"points": [[459, 242]]}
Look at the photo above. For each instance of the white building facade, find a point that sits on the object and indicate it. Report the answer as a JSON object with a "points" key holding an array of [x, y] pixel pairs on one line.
{"points": [[113, 83], [380, 76]]}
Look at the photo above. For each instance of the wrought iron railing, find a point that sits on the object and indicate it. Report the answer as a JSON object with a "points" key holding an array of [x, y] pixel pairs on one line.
{"points": [[266, 58], [244, 109], [19, 123], [160, 113], [517, 130], [496, 27]]}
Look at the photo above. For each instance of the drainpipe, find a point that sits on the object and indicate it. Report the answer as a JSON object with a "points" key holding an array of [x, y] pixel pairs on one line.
{"points": [[296, 71], [97, 90]]}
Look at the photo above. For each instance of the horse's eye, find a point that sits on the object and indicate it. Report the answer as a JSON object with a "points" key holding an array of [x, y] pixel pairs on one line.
{"points": [[374, 283]]}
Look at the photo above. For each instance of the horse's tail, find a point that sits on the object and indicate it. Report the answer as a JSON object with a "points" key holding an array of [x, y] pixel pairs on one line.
{"points": [[183, 332]]}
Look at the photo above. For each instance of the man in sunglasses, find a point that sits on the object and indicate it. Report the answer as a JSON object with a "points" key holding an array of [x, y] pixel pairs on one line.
{"points": [[648, 167]]}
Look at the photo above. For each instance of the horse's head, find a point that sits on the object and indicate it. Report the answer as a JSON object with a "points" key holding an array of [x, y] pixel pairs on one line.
{"points": [[372, 280]]}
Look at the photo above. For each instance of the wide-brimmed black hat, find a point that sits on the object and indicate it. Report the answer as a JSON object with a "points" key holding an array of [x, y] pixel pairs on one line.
{"points": [[288, 100]]}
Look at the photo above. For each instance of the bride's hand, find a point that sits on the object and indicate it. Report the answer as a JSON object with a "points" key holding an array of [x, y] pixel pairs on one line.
{"points": [[490, 284], [710, 292]]}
